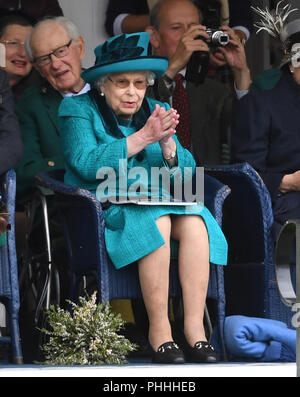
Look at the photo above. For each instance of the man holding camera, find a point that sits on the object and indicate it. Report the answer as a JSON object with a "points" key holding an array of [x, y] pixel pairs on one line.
{"points": [[11, 146], [177, 33]]}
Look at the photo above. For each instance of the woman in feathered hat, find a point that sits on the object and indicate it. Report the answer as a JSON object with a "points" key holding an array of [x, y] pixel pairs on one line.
{"points": [[117, 132], [266, 128]]}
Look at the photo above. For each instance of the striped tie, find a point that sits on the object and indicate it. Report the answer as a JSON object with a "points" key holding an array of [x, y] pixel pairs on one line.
{"points": [[181, 104]]}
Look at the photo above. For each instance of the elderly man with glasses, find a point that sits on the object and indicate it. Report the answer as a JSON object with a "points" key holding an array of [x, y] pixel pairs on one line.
{"points": [[56, 49]]}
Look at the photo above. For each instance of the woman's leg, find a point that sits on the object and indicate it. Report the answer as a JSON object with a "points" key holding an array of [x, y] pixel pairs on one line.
{"points": [[193, 261], [154, 280]]}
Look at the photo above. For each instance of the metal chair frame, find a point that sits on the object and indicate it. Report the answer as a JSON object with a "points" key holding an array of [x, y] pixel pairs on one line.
{"points": [[33, 262]]}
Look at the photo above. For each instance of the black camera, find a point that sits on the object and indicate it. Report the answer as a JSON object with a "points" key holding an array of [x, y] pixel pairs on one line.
{"points": [[198, 64], [217, 38]]}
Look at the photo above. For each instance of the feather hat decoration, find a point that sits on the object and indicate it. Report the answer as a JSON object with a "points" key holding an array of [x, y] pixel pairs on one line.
{"points": [[274, 22], [282, 23]]}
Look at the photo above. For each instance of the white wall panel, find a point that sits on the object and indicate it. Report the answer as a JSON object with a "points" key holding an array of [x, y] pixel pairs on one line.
{"points": [[89, 16]]}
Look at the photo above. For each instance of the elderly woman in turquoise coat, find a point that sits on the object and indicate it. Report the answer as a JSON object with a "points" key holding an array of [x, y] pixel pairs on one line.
{"points": [[114, 130]]}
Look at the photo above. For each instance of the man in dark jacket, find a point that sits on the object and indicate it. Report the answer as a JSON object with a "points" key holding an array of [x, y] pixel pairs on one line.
{"points": [[35, 9], [11, 146]]}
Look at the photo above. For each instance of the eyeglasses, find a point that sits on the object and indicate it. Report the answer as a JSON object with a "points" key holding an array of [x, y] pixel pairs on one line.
{"points": [[13, 44], [123, 83], [60, 52]]}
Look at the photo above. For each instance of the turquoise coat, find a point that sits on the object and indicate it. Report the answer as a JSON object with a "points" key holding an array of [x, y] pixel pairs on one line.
{"points": [[130, 230]]}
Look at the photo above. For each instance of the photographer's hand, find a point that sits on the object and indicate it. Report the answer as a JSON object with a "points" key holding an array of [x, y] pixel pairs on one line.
{"points": [[235, 56], [188, 44], [217, 59]]}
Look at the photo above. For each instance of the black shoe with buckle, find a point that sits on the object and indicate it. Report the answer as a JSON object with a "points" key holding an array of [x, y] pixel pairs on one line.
{"points": [[202, 352], [168, 353]]}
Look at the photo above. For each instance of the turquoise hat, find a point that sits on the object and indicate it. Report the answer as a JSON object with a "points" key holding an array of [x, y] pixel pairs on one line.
{"points": [[125, 53]]}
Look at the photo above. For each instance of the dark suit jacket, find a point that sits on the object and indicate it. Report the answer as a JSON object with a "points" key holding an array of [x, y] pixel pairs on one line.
{"points": [[11, 146], [266, 131], [37, 112], [240, 12], [34, 9], [266, 134], [210, 106]]}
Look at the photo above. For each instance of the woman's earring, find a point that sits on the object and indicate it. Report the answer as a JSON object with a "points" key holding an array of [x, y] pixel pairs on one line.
{"points": [[101, 93], [292, 71]]}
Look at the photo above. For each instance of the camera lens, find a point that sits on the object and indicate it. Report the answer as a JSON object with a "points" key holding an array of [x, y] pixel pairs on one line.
{"points": [[220, 38]]}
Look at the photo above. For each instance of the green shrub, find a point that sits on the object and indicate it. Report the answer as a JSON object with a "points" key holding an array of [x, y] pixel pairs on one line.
{"points": [[87, 336]]}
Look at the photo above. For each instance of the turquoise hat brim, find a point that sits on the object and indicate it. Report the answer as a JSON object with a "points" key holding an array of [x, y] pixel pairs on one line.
{"points": [[156, 64]]}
